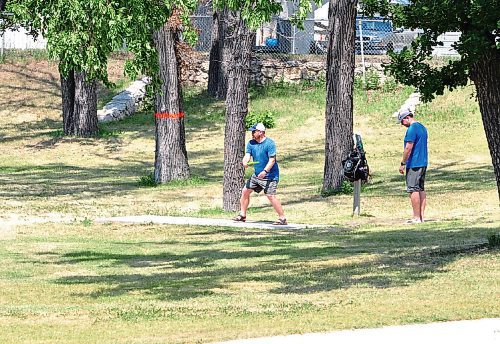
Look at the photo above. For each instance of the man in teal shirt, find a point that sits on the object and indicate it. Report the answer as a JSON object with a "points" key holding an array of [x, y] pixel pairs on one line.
{"points": [[262, 150], [415, 160]]}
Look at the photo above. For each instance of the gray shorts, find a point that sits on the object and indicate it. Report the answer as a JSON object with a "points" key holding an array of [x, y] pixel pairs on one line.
{"points": [[257, 185], [415, 179]]}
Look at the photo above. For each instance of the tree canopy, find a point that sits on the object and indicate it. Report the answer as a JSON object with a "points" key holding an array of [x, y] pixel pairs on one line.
{"points": [[256, 12], [477, 20]]}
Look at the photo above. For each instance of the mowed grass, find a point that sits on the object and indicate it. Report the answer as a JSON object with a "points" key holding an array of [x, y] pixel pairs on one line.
{"points": [[160, 284], [78, 281]]}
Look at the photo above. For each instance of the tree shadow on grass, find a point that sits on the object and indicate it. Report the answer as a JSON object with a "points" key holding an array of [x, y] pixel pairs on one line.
{"points": [[19, 182], [448, 178], [54, 180], [298, 262]]}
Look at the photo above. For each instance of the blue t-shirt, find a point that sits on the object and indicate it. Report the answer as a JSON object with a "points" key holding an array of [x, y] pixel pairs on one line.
{"points": [[417, 134], [261, 152]]}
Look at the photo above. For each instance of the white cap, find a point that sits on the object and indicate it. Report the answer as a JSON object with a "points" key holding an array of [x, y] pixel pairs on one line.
{"points": [[258, 126]]}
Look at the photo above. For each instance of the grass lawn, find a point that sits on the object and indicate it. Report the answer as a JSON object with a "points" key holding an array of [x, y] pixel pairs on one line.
{"points": [[73, 280]]}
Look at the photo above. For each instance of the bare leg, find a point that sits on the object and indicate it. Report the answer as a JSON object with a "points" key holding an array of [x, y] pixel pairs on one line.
{"points": [[423, 201], [276, 205], [415, 204], [245, 201]]}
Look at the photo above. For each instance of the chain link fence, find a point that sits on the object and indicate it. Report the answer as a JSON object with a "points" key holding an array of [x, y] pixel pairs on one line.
{"points": [[374, 36], [280, 38]]}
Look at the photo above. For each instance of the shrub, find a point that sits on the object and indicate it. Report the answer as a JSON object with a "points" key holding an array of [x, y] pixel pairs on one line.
{"points": [[267, 118], [358, 82], [147, 180], [494, 240], [390, 84], [372, 80], [346, 188]]}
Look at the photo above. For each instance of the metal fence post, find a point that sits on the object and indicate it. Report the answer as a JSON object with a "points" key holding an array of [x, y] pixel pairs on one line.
{"points": [[361, 42], [2, 47]]}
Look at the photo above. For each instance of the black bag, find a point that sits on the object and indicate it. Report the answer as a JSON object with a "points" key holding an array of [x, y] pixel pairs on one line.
{"points": [[355, 167]]}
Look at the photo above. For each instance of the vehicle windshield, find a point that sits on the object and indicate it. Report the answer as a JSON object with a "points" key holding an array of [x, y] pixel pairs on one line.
{"points": [[374, 25]]}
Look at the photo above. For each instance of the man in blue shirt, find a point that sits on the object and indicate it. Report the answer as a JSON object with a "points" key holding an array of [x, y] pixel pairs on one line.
{"points": [[262, 150], [415, 160]]}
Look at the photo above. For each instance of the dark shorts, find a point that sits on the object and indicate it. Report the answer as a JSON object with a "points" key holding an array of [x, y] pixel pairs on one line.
{"points": [[257, 185], [415, 179]]}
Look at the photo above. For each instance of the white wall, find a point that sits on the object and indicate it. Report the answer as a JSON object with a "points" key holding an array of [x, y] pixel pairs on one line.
{"points": [[448, 38], [20, 40]]}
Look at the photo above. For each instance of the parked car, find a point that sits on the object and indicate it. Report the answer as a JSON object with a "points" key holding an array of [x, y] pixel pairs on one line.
{"points": [[379, 36]]}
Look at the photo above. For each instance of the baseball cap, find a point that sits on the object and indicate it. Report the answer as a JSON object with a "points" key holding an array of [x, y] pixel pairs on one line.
{"points": [[257, 126], [403, 114]]}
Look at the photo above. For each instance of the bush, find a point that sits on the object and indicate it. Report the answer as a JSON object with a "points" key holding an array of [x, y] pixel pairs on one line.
{"points": [[358, 82], [148, 180], [267, 118], [390, 84], [372, 81], [346, 188], [494, 240]]}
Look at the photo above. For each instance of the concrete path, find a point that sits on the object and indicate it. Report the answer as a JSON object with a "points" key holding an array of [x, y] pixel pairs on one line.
{"points": [[195, 221], [483, 331]]}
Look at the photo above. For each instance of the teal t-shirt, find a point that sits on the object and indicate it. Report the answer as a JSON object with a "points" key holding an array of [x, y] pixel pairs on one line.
{"points": [[417, 134], [261, 152]]}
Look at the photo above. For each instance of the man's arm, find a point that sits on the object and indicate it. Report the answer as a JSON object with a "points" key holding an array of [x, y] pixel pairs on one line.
{"points": [[246, 159], [406, 154], [269, 165]]}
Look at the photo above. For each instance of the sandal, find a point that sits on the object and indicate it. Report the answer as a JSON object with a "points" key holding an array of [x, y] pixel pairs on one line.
{"points": [[280, 222], [413, 221], [240, 218]]}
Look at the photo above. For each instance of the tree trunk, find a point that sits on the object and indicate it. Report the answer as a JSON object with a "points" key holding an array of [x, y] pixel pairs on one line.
{"points": [[215, 58], [339, 90], [171, 162], [225, 54], [85, 110], [486, 77], [79, 105], [68, 103], [239, 43]]}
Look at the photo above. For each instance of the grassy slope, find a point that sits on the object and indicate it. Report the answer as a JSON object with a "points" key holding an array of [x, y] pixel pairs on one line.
{"points": [[84, 282]]}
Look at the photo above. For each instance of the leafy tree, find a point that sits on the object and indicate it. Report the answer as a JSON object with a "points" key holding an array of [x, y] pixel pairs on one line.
{"points": [[81, 35], [339, 90], [478, 46]]}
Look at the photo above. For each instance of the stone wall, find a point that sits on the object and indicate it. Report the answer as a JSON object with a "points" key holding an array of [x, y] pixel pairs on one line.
{"points": [[262, 72], [124, 103], [274, 70]]}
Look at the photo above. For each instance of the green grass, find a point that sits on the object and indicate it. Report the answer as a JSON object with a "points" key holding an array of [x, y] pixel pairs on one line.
{"points": [[82, 281], [24, 55], [112, 283]]}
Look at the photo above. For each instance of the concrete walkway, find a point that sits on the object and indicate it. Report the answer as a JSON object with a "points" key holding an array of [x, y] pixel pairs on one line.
{"points": [[483, 331], [195, 221]]}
